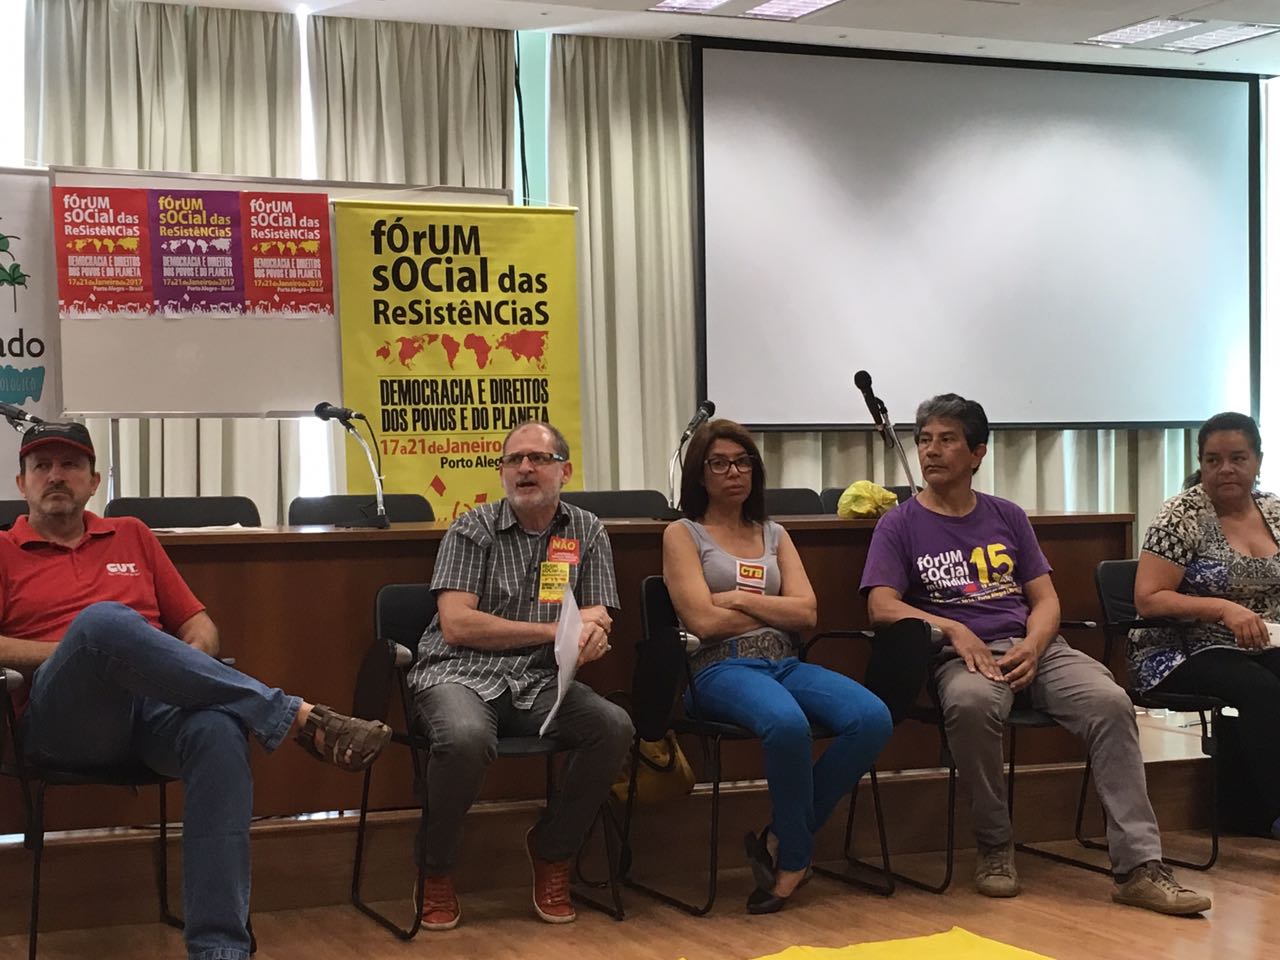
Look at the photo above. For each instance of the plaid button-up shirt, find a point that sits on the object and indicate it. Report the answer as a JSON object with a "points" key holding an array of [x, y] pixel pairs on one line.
{"points": [[487, 553]]}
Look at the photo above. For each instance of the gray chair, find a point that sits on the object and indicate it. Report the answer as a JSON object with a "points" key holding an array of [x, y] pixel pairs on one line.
{"points": [[618, 504], [792, 501], [187, 511], [343, 508]]}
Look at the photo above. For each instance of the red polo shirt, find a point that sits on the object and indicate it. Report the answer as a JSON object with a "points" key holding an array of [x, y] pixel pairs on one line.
{"points": [[43, 585]]}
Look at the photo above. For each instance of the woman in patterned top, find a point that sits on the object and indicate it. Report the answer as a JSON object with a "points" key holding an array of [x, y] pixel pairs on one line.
{"points": [[737, 582], [1212, 556]]}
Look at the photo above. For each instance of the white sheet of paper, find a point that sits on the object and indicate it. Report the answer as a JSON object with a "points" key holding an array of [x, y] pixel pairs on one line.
{"points": [[1273, 630], [567, 633]]}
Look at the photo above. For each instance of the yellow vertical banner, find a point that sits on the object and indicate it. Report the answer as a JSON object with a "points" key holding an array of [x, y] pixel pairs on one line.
{"points": [[458, 323]]}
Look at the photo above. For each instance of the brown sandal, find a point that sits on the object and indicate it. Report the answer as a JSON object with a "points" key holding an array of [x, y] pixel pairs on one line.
{"points": [[362, 739]]}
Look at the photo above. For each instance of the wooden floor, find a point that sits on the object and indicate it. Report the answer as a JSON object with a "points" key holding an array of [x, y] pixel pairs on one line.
{"points": [[1064, 913]]}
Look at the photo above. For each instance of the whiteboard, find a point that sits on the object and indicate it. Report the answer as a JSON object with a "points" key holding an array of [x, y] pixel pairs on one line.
{"points": [[1064, 247], [215, 366]]}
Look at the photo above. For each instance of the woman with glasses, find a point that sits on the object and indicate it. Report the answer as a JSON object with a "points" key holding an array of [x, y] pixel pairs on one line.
{"points": [[737, 583]]}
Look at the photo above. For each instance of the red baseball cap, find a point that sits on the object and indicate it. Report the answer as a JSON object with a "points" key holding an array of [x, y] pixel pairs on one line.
{"points": [[42, 434]]}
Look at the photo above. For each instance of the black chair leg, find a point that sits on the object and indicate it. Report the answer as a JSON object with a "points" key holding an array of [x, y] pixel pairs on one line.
{"points": [[690, 908], [357, 900], [162, 861], [949, 869], [1049, 854], [885, 885], [1215, 827], [36, 835], [611, 831]]}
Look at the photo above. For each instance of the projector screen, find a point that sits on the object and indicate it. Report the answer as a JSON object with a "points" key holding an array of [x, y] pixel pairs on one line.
{"points": [[1066, 247]]}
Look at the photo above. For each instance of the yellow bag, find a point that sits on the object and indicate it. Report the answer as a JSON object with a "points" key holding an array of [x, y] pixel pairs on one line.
{"points": [[865, 499], [663, 774]]}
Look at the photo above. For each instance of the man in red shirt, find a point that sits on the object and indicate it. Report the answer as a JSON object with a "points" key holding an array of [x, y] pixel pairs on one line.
{"points": [[122, 663]]}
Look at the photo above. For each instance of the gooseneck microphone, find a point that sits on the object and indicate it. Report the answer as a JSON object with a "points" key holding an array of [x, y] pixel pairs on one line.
{"points": [[344, 416], [706, 410], [16, 415], [327, 411]]}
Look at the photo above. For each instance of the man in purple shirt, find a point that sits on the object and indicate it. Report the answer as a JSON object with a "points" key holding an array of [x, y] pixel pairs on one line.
{"points": [[969, 563]]}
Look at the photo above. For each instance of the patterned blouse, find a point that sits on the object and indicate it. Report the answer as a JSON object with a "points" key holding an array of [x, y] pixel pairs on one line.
{"points": [[1187, 532]]}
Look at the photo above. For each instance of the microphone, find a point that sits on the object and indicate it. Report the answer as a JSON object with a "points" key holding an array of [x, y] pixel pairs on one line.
{"points": [[327, 411], [862, 380], [706, 409], [16, 415]]}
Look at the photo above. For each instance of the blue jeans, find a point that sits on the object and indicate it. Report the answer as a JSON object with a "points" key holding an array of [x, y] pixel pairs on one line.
{"points": [[116, 690], [777, 700]]}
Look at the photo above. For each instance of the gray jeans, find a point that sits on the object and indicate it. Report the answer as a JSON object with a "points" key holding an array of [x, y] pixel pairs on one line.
{"points": [[1078, 692], [464, 730]]}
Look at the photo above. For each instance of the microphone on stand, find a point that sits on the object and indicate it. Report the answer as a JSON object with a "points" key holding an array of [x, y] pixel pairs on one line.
{"points": [[706, 410], [16, 415], [862, 380], [880, 414], [327, 411]]}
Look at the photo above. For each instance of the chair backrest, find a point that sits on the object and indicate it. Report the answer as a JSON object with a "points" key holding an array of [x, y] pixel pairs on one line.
{"points": [[11, 510], [902, 655], [660, 662], [187, 511], [1115, 580], [903, 493], [830, 497], [340, 508], [617, 504], [791, 501], [401, 614]]}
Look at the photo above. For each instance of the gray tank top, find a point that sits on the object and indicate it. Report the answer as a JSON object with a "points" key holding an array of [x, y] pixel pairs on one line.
{"points": [[724, 571]]}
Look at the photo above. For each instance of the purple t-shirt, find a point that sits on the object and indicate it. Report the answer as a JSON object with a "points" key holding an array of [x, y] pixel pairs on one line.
{"points": [[969, 569]]}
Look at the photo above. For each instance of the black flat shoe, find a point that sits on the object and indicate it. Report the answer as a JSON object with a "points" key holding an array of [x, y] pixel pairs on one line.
{"points": [[762, 866], [762, 901]]}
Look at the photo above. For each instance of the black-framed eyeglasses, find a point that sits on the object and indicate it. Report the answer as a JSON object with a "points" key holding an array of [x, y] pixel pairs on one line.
{"points": [[536, 457], [720, 465]]}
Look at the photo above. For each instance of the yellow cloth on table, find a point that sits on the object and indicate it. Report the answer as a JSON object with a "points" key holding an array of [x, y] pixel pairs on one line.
{"points": [[955, 944]]}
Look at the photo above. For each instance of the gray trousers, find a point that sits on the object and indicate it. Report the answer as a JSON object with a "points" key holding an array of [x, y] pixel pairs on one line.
{"points": [[464, 730], [1078, 692]]}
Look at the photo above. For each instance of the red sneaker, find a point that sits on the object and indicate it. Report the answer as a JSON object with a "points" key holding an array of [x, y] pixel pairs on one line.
{"points": [[550, 886], [440, 910]]}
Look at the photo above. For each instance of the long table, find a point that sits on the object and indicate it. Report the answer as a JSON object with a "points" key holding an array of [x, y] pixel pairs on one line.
{"points": [[294, 606]]}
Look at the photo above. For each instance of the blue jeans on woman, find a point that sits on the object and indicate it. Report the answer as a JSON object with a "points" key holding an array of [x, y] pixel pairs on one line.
{"points": [[778, 700], [117, 690]]}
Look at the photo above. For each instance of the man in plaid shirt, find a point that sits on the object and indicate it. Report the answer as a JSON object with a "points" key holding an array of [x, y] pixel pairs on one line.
{"points": [[486, 666]]}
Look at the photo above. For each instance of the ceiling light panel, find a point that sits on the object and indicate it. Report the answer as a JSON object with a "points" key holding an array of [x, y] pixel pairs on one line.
{"points": [[1221, 37], [687, 6], [1142, 32], [786, 9]]}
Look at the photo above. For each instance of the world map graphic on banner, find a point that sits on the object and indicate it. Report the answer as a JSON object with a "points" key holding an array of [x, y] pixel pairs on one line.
{"points": [[530, 345]]}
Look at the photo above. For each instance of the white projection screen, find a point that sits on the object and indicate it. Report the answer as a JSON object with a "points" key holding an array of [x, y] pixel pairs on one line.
{"points": [[1066, 247]]}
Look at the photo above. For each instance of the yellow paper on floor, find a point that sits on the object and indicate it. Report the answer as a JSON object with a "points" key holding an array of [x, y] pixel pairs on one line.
{"points": [[955, 944]]}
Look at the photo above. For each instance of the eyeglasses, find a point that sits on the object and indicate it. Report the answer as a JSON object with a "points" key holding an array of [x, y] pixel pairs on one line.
{"points": [[720, 465], [536, 457]]}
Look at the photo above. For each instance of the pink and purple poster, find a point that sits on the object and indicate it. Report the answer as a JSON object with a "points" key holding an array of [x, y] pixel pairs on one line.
{"points": [[195, 251]]}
